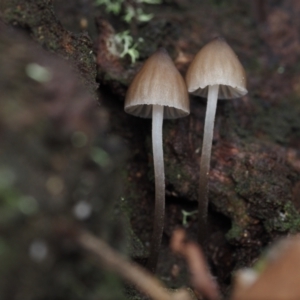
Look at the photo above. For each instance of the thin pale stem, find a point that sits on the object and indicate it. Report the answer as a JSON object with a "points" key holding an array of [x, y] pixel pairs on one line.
{"points": [[159, 175], [212, 100]]}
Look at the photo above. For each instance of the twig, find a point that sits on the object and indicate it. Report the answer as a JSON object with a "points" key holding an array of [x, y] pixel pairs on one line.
{"points": [[201, 278], [130, 271]]}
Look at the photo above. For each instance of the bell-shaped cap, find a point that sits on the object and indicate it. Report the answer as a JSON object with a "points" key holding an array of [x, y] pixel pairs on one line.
{"points": [[158, 83], [216, 63]]}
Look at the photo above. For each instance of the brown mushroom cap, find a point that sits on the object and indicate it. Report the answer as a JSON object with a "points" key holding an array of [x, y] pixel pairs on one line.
{"points": [[158, 83], [216, 63]]}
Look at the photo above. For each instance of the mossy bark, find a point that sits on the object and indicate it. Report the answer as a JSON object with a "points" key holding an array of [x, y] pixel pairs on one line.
{"points": [[255, 174]]}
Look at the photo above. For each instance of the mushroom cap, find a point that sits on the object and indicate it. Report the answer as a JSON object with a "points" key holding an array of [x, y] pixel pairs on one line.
{"points": [[158, 83], [216, 63]]}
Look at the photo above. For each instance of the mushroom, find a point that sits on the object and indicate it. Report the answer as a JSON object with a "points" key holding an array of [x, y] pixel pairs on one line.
{"points": [[158, 91], [214, 73]]}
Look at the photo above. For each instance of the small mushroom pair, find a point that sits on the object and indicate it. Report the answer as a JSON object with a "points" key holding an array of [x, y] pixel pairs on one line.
{"points": [[159, 91]]}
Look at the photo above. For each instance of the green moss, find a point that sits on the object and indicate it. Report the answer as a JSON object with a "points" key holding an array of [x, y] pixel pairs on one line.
{"points": [[128, 11], [276, 122], [288, 220], [188, 214], [235, 233], [240, 218]]}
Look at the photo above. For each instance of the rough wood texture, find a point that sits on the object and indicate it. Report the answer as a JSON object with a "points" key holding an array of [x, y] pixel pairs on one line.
{"points": [[255, 171]]}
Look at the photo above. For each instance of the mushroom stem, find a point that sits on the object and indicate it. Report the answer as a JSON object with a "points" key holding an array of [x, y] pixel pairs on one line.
{"points": [[212, 100], [159, 175]]}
